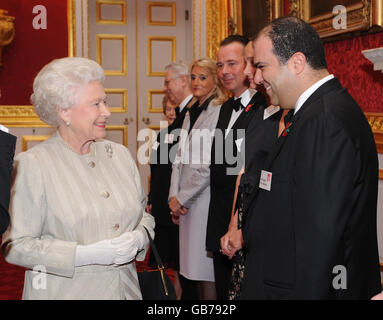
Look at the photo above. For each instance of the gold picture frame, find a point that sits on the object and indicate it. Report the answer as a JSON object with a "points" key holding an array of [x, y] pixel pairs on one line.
{"points": [[359, 15]]}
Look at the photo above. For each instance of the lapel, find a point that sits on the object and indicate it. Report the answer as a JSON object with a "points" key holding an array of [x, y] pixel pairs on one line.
{"points": [[330, 85], [180, 118], [225, 114]]}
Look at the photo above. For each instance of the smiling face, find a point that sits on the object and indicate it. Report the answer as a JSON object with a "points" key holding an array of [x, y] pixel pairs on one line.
{"points": [[170, 112], [87, 117], [202, 83], [274, 76], [231, 65], [250, 68]]}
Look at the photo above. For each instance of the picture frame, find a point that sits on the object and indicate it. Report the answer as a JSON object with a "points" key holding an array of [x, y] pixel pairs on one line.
{"points": [[359, 15]]}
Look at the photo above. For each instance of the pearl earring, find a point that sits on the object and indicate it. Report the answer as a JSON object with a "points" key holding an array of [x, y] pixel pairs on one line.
{"points": [[67, 123]]}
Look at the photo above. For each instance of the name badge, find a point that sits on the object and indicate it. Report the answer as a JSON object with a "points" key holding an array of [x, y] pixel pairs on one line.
{"points": [[169, 138], [155, 145], [269, 111], [265, 180]]}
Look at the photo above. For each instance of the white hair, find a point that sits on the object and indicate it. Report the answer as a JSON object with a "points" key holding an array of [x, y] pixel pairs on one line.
{"points": [[57, 85], [178, 68]]}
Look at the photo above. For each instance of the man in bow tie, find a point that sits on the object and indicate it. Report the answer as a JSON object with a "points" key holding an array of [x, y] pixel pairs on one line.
{"points": [[245, 106]]}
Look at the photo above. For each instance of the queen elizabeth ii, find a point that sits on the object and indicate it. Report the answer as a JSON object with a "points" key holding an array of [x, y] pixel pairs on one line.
{"points": [[77, 205]]}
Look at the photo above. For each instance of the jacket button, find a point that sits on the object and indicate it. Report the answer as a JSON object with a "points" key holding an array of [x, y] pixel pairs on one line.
{"points": [[106, 194]]}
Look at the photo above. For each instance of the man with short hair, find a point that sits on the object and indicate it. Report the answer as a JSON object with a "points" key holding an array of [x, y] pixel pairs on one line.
{"points": [[311, 230], [234, 118], [177, 86]]}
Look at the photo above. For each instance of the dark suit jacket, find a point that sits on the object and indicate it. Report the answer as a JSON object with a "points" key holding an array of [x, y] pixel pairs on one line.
{"points": [[161, 170], [222, 184], [7, 150], [321, 210]]}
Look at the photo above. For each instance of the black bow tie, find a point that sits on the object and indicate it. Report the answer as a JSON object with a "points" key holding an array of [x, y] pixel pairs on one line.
{"points": [[237, 105]]}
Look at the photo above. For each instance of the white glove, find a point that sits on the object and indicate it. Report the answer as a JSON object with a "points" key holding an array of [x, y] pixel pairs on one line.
{"points": [[120, 250], [129, 243]]}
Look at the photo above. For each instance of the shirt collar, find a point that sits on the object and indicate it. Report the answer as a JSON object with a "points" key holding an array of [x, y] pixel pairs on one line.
{"points": [[305, 95], [246, 96], [185, 101]]}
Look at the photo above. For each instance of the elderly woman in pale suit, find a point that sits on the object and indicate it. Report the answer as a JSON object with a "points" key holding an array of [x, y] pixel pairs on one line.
{"points": [[77, 206], [189, 194]]}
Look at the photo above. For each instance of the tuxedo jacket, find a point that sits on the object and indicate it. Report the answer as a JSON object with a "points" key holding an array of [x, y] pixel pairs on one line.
{"points": [[162, 157], [7, 151], [313, 235], [226, 164]]}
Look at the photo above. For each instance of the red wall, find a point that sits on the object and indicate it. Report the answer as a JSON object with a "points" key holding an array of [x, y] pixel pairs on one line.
{"points": [[31, 49], [346, 61]]}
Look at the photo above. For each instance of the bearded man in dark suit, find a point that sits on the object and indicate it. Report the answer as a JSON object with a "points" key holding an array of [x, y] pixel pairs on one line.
{"points": [[311, 230]]}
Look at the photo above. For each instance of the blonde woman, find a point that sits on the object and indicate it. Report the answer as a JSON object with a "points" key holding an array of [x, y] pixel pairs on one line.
{"points": [[189, 194]]}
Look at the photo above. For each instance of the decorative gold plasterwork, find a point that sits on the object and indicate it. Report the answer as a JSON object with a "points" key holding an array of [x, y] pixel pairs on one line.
{"points": [[26, 139], [7, 31], [113, 37], [124, 130], [124, 94], [150, 21], [173, 42], [217, 20], [25, 116], [225, 17], [20, 116], [376, 122], [121, 4], [360, 16], [150, 101]]}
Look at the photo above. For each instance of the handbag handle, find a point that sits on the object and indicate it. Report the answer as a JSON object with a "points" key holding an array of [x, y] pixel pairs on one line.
{"points": [[154, 250], [160, 265]]}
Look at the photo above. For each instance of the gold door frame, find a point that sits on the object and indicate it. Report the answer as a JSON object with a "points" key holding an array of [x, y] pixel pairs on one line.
{"points": [[225, 17]]}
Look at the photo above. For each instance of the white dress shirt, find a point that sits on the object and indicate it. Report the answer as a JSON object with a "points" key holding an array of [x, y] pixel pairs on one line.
{"points": [[245, 97], [305, 95]]}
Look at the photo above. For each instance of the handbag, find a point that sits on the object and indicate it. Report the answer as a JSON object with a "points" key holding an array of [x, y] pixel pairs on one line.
{"points": [[155, 284]]}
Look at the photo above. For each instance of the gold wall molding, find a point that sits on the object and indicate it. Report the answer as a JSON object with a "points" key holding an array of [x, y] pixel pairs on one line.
{"points": [[376, 122], [123, 129], [7, 31], [100, 20], [150, 101], [124, 94], [217, 25], [25, 116], [122, 38], [26, 139], [172, 40], [360, 16], [149, 18]]}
